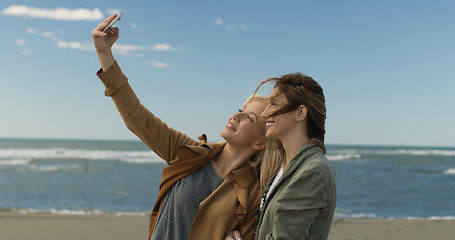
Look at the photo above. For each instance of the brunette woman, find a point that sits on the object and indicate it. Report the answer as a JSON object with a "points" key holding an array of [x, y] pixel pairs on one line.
{"points": [[299, 201]]}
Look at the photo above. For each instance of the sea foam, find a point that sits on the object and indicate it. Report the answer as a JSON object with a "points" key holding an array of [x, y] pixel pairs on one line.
{"points": [[343, 157], [79, 212], [23, 156], [399, 151]]}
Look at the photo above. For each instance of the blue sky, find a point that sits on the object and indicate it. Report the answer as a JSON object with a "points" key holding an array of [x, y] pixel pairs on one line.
{"points": [[387, 67]]}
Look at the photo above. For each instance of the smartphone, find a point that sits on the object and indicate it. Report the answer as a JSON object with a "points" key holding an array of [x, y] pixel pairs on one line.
{"points": [[113, 22]]}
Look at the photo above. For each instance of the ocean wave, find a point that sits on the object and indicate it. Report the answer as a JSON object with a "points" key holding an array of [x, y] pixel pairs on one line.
{"points": [[77, 212], [450, 171], [401, 151], [442, 218], [23, 156], [24, 165], [349, 214], [14, 162], [354, 215], [449, 218], [101, 212], [416, 152], [52, 168], [343, 157]]}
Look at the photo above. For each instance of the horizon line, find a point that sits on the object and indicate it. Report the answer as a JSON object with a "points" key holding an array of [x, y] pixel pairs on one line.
{"points": [[139, 141]]}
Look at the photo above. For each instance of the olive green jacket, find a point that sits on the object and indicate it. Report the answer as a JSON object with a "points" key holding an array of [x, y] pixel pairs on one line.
{"points": [[233, 205], [302, 203]]}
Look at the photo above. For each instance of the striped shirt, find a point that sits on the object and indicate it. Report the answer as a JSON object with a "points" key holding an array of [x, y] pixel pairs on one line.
{"points": [[182, 202]]}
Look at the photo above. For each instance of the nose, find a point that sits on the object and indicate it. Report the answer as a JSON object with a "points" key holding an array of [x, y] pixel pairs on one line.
{"points": [[264, 114], [237, 116]]}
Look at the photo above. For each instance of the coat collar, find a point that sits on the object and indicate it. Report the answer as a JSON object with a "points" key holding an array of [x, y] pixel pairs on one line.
{"points": [[241, 179], [202, 149], [243, 176], [192, 157]]}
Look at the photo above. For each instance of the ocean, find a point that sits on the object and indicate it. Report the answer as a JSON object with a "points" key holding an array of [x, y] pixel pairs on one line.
{"points": [[122, 178]]}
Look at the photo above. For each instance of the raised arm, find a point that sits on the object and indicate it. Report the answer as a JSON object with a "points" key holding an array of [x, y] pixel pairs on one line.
{"points": [[103, 42], [162, 139]]}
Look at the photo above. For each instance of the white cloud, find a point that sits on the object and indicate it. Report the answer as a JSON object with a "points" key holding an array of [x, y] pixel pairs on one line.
{"points": [[51, 36], [156, 47], [136, 27], [55, 14], [219, 21], [136, 50], [112, 11], [120, 49], [230, 27], [183, 48], [162, 47], [20, 42], [26, 52], [31, 31], [85, 46], [129, 48], [48, 34], [160, 64]]}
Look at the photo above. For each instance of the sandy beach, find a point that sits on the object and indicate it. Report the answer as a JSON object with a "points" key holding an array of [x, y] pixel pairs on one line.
{"points": [[15, 226], [400, 229]]}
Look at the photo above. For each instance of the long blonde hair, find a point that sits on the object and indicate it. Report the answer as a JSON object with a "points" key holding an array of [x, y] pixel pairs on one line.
{"points": [[266, 162]]}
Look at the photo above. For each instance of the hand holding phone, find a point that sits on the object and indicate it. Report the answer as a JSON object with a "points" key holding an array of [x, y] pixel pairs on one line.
{"points": [[113, 22]]}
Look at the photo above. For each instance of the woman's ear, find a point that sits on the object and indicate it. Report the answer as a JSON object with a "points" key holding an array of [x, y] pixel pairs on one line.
{"points": [[259, 144], [301, 113]]}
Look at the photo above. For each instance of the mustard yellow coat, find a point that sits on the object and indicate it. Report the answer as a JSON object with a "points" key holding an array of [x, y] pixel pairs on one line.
{"points": [[233, 205]]}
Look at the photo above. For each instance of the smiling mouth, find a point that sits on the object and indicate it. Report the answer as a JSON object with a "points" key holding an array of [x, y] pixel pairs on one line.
{"points": [[269, 124], [230, 126]]}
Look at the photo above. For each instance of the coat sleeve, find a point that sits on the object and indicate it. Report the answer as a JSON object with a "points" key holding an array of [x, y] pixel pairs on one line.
{"points": [[163, 140], [298, 206]]}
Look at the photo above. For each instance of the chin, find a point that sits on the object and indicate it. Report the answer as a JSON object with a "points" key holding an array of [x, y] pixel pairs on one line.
{"points": [[270, 134], [224, 134]]}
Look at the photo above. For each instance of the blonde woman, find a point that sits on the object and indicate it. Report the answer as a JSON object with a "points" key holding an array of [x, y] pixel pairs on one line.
{"points": [[208, 189]]}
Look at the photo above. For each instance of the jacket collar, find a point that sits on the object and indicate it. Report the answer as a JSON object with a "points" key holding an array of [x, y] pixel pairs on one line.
{"points": [[295, 162], [300, 158]]}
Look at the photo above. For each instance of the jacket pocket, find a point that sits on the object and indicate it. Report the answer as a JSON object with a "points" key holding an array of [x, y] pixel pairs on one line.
{"points": [[269, 236]]}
